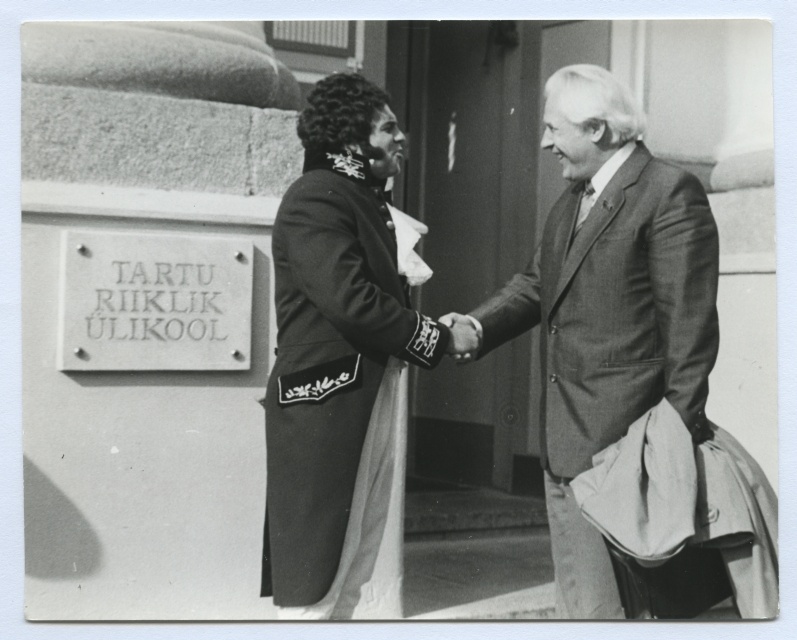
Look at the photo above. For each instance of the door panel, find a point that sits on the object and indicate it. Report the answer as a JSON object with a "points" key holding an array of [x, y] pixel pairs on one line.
{"points": [[462, 204], [484, 190]]}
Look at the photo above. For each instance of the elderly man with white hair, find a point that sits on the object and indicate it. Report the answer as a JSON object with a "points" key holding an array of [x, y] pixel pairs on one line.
{"points": [[623, 286]]}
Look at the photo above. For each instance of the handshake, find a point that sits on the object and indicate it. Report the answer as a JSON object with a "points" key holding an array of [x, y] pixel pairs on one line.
{"points": [[466, 336]]}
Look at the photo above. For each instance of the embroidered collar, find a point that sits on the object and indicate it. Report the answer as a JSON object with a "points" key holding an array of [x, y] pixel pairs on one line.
{"points": [[352, 166]]}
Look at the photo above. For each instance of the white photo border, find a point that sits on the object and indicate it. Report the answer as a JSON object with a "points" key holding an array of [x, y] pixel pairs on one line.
{"points": [[783, 13]]}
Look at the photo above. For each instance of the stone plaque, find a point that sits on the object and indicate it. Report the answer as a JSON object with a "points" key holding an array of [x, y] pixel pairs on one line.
{"points": [[154, 302]]}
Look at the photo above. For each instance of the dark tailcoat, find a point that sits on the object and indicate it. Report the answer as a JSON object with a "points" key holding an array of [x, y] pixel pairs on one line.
{"points": [[342, 311], [627, 312]]}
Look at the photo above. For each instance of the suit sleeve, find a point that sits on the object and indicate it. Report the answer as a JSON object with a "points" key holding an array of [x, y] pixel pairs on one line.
{"points": [[683, 254], [318, 230], [513, 310]]}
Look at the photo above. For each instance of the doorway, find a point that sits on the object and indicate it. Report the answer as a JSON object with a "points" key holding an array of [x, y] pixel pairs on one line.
{"points": [[470, 95]]}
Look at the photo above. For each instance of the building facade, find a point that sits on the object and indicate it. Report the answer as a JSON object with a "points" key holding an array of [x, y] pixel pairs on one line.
{"points": [[154, 157]]}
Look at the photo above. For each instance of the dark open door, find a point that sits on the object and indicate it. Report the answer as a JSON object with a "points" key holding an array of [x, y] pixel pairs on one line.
{"points": [[469, 94]]}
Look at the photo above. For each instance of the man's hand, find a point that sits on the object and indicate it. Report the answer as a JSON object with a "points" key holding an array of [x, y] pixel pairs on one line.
{"points": [[464, 343]]}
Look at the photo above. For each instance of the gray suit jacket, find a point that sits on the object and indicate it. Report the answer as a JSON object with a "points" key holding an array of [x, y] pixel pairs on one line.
{"points": [[628, 312]]}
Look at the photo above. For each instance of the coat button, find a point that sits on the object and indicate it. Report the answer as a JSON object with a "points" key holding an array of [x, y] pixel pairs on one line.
{"points": [[391, 225], [553, 378], [554, 329]]}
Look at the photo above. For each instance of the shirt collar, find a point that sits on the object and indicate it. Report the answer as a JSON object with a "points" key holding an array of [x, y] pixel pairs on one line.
{"points": [[610, 167], [352, 166]]}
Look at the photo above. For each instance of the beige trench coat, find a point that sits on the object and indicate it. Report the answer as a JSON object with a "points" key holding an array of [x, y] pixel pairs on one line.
{"points": [[653, 492]]}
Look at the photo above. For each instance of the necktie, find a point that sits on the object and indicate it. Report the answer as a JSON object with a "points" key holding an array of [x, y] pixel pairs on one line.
{"points": [[584, 206]]}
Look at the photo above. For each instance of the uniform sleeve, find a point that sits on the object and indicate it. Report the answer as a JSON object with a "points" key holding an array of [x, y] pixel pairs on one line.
{"points": [[513, 310], [318, 230], [683, 254]]}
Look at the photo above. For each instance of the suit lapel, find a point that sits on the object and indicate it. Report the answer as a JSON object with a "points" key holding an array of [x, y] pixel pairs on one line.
{"points": [[561, 220], [603, 212]]}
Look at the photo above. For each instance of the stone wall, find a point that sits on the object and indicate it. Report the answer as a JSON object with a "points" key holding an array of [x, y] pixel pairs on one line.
{"points": [[145, 491], [98, 136]]}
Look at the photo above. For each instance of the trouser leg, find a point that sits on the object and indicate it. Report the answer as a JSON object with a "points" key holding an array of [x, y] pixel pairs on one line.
{"points": [[585, 584]]}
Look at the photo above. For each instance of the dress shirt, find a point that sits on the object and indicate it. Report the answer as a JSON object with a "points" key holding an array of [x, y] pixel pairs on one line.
{"points": [[610, 167]]}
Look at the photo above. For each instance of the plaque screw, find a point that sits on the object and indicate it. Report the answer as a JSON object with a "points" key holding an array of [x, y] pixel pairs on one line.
{"points": [[239, 256], [79, 352], [82, 249], [236, 354]]}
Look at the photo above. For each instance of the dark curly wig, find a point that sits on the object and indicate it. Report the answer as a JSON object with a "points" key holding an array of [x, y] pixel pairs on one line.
{"points": [[340, 112]]}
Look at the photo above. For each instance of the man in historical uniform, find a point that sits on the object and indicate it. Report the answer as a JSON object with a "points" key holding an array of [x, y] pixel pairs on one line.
{"points": [[335, 403]]}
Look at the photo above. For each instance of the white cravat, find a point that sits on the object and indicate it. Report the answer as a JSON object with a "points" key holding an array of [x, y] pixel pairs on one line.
{"points": [[408, 232]]}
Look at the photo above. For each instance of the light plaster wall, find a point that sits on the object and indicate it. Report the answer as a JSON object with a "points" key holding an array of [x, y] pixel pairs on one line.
{"points": [[707, 88], [706, 85], [743, 397], [686, 94], [749, 118], [744, 383], [145, 492]]}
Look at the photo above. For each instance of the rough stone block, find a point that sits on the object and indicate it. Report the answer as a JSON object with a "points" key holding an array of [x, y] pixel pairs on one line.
{"points": [[746, 220], [749, 170], [277, 154], [217, 61], [79, 135]]}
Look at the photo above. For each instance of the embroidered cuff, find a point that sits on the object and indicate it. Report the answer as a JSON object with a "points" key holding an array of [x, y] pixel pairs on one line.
{"points": [[427, 344]]}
